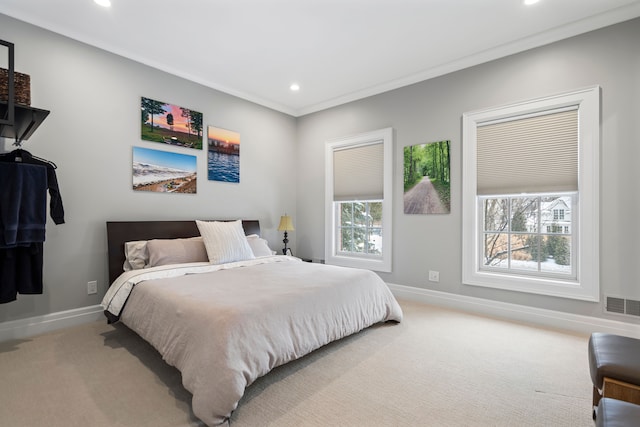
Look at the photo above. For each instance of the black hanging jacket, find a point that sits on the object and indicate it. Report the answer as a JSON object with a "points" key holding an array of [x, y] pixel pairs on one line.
{"points": [[56, 210]]}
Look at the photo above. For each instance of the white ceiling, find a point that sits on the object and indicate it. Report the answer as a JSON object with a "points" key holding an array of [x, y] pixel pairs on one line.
{"points": [[337, 50]]}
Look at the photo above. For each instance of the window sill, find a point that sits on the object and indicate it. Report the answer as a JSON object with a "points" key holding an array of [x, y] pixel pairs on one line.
{"points": [[381, 265], [534, 285]]}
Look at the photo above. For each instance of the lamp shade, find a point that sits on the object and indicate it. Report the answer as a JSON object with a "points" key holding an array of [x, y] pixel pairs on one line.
{"points": [[286, 224]]}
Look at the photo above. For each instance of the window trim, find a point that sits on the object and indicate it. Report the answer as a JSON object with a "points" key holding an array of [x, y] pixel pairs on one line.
{"points": [[587, 284], [382, 263]]}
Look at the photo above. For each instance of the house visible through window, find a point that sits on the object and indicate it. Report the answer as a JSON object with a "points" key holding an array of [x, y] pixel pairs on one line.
{"points": [[530, 196], [522, 235]]}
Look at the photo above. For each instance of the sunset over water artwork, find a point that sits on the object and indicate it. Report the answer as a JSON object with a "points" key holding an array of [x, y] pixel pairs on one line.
{"points": [[223, 156]]}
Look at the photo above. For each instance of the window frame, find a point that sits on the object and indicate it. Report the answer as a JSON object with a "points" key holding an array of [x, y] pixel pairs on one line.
{"points": [[381, 263], [586, 285]]}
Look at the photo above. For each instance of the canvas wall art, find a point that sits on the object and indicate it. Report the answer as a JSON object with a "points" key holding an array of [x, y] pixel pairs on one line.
{"points": [[223, 156], [163, 171], [170, 124], [427, 178]]}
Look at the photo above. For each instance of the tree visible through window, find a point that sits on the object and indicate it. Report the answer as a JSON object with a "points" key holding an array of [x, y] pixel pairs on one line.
{"points": [[360, 227], [517, 235]]}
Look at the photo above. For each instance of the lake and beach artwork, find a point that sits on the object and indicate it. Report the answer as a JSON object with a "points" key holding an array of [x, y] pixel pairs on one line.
{"points": [[170, 124], [223, 156], [163, 171], [427, 178]]}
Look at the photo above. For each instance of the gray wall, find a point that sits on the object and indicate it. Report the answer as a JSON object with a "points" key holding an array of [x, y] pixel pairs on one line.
{"points": [[94, 98], [431, 111]]}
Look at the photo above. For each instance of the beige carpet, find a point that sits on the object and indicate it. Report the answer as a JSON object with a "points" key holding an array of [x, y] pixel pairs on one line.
{"points": [[437, 368]]}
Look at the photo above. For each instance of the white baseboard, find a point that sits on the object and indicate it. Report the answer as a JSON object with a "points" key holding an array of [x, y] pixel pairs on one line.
{"points": [[25, 328], [537, 316]]}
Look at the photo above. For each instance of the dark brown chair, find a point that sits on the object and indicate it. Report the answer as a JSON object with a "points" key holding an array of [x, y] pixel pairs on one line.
{"points": [[617, 413], [614, 363]]}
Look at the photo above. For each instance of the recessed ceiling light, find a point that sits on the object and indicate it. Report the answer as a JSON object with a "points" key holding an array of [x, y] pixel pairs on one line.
{"points": [[294, 87], [530, 2], [103, 3]]}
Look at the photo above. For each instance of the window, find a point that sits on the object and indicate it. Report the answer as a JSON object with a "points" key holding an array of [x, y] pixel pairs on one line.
{"points": [[516, 240], [359, 227], [358, 200], [530, 196]]}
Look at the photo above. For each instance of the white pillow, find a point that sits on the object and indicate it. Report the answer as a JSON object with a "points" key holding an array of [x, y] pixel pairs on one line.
{"points": [[225, 241], [260, 247], [135, 255]]}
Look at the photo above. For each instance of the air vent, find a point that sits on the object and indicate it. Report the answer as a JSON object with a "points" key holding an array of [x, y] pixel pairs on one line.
{"points": [[623, 306], [632, 307], [615, 305]]}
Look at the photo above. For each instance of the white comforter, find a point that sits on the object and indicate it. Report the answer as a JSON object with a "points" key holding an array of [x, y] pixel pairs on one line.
{"points": [[228, 325]]}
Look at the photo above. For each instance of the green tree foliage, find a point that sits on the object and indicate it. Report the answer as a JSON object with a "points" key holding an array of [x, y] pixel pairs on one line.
{"points": [[151, 107], [375, 213], [352, 214], [537, 248], [519, 221], [196, 123], [437, 166], [355, 219], [432, 160], [170, 121], [412, 158], [194, 120], [558, 247]]}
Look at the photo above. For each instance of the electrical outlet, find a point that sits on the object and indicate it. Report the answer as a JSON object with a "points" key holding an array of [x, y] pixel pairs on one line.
{"points": [[434, 276], [92, 287]]}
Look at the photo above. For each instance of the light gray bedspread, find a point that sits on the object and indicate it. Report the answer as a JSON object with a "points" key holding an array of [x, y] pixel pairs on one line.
{"points": [[226, 328]]}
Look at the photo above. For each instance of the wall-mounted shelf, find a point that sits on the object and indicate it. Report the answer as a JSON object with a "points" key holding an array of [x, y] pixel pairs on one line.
{"points": [[26, 121], [17, 121]]}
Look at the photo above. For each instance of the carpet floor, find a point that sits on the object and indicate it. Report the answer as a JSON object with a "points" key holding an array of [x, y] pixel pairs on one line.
{"points": [[439, 367]]}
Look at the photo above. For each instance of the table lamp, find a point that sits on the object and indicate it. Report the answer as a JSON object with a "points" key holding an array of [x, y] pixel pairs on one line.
{"points": [[285, 225]]}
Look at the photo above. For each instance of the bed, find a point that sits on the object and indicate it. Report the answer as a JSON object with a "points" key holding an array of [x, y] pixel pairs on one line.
{"points": [[226, 320]]}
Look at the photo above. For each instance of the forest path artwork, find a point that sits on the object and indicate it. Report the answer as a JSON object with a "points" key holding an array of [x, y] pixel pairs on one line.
{"points": [[423, 198], [427, 178]]}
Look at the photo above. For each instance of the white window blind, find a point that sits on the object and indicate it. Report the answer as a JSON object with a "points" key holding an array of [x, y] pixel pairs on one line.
{"points": [[358, 172], [531, 154]]}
